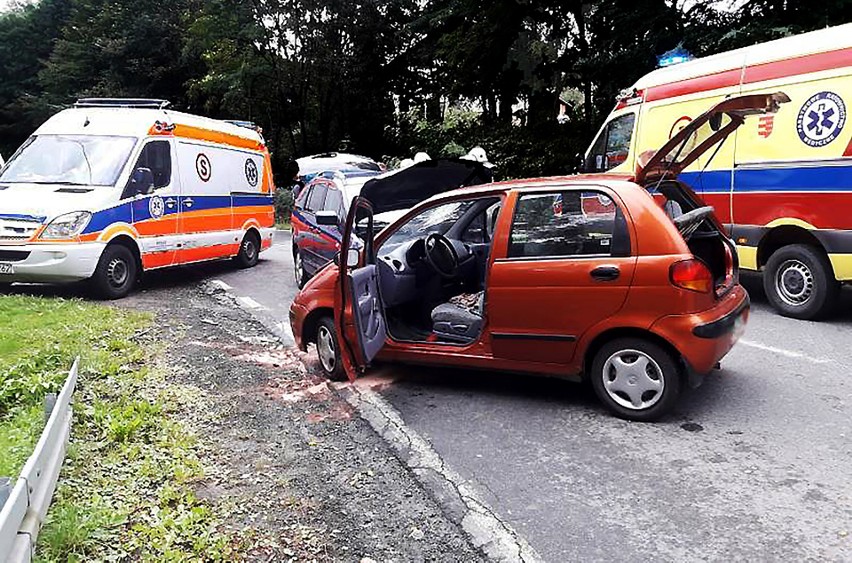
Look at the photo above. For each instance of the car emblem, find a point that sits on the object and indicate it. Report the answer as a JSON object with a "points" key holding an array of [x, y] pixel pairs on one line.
{"points": [[203, 167], [821, 119], [156, 207]]}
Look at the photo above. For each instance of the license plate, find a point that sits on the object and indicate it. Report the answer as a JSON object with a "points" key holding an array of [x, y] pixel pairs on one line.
{"points": [[6, 268]]}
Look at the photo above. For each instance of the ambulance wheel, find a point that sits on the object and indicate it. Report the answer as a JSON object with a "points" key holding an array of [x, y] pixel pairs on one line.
{"points": [[299, 269], [328, 350], [249, 251], [116, 273], [799, 282]]}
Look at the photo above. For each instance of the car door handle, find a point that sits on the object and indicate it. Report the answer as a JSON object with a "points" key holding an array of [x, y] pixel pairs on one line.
{"points": [[188, 202], [605, 273]]}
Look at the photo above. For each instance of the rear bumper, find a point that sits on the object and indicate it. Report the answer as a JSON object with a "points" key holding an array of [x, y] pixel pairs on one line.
{"points": [[51, 263], [705, 338]]}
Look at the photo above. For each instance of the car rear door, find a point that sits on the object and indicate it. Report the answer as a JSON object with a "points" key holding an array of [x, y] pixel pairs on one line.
{"points": [[565, 265], [359, 312]]}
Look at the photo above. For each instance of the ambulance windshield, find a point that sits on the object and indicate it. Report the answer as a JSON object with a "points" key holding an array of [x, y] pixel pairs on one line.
{"points": [[79, 160]]}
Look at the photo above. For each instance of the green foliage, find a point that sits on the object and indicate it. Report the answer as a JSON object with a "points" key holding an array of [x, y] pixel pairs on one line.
{"points": [[19, 432], [283, 203]]}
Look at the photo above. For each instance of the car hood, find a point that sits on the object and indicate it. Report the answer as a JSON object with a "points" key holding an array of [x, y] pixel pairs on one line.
{"points": [[405, 188], [704, 133], [42, 202]]}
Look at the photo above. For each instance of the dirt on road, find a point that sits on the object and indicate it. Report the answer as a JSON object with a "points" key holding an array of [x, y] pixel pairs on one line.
{"points": [[303, 474]]}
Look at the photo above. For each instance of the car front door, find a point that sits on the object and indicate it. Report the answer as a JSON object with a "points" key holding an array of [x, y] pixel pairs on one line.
{"points": [[564, 266], [155, 213], [359, 313]]}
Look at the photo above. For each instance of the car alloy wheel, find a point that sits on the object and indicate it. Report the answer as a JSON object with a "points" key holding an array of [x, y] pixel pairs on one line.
{"points": [[633, 379]]}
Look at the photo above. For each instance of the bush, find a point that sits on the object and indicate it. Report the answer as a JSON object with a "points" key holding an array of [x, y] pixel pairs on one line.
{"points": [[283, 204]]}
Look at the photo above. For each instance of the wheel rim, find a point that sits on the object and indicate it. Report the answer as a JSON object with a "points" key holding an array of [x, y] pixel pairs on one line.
{"points": [[249, 249], [325, 349], [117, 272], [297, 267], [633, 379], [794, 283]]}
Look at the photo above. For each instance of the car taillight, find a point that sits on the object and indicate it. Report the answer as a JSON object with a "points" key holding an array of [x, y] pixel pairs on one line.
{"points": [[692, 275]]}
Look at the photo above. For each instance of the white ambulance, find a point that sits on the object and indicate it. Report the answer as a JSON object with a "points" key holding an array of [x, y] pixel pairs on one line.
{"points": [[114, 187]]}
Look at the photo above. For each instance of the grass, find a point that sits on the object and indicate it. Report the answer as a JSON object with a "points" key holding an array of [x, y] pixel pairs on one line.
{"points": [[126, 488]]}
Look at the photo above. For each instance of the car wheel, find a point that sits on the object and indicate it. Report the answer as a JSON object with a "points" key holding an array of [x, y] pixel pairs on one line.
{"points": [[116, 273], [299, 268], [636, 379], [249, 253], [799, 282], [328, 350]]}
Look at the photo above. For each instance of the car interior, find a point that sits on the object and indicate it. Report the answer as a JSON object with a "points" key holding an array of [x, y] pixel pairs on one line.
{"points": [[432, 272]]}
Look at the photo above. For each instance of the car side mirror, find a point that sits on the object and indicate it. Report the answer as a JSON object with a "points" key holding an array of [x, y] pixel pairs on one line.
{"points": [[327, 218], [142, 181]]}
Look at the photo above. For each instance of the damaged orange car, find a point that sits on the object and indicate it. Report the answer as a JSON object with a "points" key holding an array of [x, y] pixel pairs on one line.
{"points": [[631, 285]]}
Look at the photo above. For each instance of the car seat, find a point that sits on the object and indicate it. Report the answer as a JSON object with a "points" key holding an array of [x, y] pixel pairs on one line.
{"points": [[457, 323]]}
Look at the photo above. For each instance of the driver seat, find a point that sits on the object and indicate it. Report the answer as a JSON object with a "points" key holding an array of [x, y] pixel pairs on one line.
{"points": [[455, 323]]}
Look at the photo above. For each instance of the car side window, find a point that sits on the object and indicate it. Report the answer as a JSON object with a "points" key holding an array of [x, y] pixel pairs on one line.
{"points": [[568, 223], [317, 198], [157, 156], [334, 202], [476, 231], [302, 199], [612, 145]]}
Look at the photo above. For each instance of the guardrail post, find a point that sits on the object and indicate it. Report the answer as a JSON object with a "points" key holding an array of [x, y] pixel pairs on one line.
{"points": [[49, 403], [5, 490]]}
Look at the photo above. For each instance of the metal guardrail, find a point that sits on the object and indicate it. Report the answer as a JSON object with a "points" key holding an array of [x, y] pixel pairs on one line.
{"points": [[25, 508]]}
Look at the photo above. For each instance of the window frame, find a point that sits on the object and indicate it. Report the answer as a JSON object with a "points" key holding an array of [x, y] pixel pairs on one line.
{"points": [[619, 214], [145, 146]]}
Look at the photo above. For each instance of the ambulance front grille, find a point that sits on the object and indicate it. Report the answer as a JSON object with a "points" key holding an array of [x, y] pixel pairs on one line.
{"points": [[14, 230]]}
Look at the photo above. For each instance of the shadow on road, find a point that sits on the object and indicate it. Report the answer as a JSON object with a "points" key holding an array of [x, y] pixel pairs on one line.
{"points": [[753, 282]]}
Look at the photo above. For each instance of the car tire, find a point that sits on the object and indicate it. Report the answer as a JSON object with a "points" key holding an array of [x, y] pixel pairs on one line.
{"points": [[799, 282], [328, 350], [249, 253], [299, 268], [116, 274], [627, 390]]}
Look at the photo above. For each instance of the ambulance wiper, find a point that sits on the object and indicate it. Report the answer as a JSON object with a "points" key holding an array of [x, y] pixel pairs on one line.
{"points": [[86, 157]]}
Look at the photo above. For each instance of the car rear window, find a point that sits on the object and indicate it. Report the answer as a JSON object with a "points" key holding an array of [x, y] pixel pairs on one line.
{"points": [[568, 223]]}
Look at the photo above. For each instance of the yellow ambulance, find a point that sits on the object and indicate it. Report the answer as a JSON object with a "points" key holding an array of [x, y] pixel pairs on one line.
{"points": [[783, 181]]}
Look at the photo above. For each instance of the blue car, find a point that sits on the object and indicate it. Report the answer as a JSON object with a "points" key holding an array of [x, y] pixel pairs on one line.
{"points": [[321, 206]]}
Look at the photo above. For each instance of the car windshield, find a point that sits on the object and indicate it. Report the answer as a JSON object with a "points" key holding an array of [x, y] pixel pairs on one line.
{"points": [[85, 160], [433, 220]]}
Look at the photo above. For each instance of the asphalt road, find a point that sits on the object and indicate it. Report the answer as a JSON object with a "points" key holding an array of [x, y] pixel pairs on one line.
{"points": [[754, 465]]}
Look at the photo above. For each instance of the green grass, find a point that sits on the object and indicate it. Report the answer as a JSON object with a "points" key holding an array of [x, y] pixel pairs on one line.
{"points": [[126, 488]]}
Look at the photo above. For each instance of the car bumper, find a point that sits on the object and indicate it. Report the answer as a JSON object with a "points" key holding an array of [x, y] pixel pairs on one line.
{"points": [[705, 338], [50, 263], [297, 322]]}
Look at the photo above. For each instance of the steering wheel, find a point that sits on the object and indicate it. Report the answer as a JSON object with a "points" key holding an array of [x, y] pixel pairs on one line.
{"points": [[689, 222], [441, 255]]}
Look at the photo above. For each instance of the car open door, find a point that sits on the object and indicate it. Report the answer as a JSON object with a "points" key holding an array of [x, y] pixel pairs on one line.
{"points": [[359, 313]]}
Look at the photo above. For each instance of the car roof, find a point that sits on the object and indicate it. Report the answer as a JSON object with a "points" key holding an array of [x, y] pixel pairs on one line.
{"points": [[612, 181]]}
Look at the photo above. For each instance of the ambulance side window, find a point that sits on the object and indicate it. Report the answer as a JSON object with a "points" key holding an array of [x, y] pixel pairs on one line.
{"points": [[157, 155], [613, 144]]}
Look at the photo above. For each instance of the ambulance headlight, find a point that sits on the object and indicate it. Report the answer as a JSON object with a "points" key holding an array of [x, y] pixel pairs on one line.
{"points": [[67, 226]]}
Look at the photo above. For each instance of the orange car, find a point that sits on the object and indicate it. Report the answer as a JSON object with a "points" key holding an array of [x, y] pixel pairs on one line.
{"points": [[577, 277]]}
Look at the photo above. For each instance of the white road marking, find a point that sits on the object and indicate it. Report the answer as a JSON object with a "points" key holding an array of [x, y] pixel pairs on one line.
{"points": [[221, 285], [785, 353], [250, 303]]}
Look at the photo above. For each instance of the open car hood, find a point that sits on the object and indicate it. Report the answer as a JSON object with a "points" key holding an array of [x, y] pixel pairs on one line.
{"points": [[403, 189], [703, 133]]}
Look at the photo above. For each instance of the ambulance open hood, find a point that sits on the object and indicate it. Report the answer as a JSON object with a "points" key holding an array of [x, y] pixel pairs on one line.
{"points": [[403, 189], [42, 202], [705, 132]]}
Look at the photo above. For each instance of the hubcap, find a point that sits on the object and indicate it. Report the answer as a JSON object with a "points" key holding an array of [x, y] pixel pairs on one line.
{"points": [[325, 349], [794, 283], [633, 379], [117, 272], [297, 267]]}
